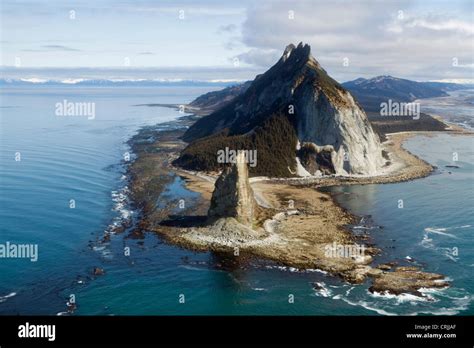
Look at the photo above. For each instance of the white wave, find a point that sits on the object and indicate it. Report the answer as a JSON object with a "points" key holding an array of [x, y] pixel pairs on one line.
{"points": [[368, 306], [440, 231], [121, 205], [309, 270], [404, 297], [107, 254], [429, 243], [192, 268], [4, 298], [296, 270], [281, 268], [460, 304], [449, 254], [322, 290]]}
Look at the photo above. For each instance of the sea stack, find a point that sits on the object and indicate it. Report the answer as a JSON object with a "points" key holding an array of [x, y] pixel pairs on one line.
{"points": [[233, 196]]}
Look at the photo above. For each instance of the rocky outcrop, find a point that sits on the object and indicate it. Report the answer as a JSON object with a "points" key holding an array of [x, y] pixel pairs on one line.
{"points": [[407, 280], [233, 196], [320, 109], [316, 158]]}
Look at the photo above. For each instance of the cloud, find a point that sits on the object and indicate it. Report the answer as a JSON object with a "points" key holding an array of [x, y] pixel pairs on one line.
{"points": [[189, 8], [58, 48], [146, 53], [260, 57], [52, 48], [230, 28], [403, 38], [439, 24]]}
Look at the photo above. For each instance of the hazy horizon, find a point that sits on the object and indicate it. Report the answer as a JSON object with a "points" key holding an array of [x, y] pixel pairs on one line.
{"points": [[235, 41]]}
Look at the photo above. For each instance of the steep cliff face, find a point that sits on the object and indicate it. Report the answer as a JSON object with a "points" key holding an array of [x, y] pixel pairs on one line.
{"points": [[322, 112], [337, 120], [233, 195]]}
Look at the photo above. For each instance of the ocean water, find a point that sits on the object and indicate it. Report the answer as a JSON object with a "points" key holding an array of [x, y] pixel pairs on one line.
{"points": [[64, 158], [434, 229]]}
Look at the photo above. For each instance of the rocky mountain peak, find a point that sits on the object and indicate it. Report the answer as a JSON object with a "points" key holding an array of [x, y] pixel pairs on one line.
{"points": [[298, 56], [287, 52], [322, 112]]}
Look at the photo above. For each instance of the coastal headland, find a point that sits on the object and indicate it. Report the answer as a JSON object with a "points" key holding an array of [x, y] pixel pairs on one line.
{"points": [[309, 132], [295, 224]]}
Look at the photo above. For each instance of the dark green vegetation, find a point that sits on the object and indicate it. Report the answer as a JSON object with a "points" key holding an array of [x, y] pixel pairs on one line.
{"points": [[275, 141], [391, 124]]}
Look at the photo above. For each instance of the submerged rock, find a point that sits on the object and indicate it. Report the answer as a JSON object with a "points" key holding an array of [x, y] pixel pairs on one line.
{"points": [[98, 271], [407, 280]]}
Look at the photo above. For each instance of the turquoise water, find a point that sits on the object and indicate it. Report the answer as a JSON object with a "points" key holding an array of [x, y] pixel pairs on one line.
{"points": [[74, 158], [435, 227]]}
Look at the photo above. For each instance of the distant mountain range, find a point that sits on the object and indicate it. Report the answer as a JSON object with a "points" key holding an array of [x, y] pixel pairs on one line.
{"points": [[368, 92], [114, 82], [214, 100], [371, 92]]}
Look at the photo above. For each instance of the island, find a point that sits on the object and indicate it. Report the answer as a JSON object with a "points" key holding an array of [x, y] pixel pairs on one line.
{"points": [[307, 131]]}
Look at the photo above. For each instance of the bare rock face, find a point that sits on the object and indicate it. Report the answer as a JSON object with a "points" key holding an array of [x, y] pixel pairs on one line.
{"points": [[337, 120], [328, 116], [233, 195]]}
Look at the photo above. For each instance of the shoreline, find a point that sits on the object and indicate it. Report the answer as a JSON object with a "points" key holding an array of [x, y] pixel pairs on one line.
{"points": [[318, 224]]}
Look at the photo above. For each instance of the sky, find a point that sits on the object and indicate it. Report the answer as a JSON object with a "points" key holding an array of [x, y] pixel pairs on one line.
{"points": [[235, 40]]}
